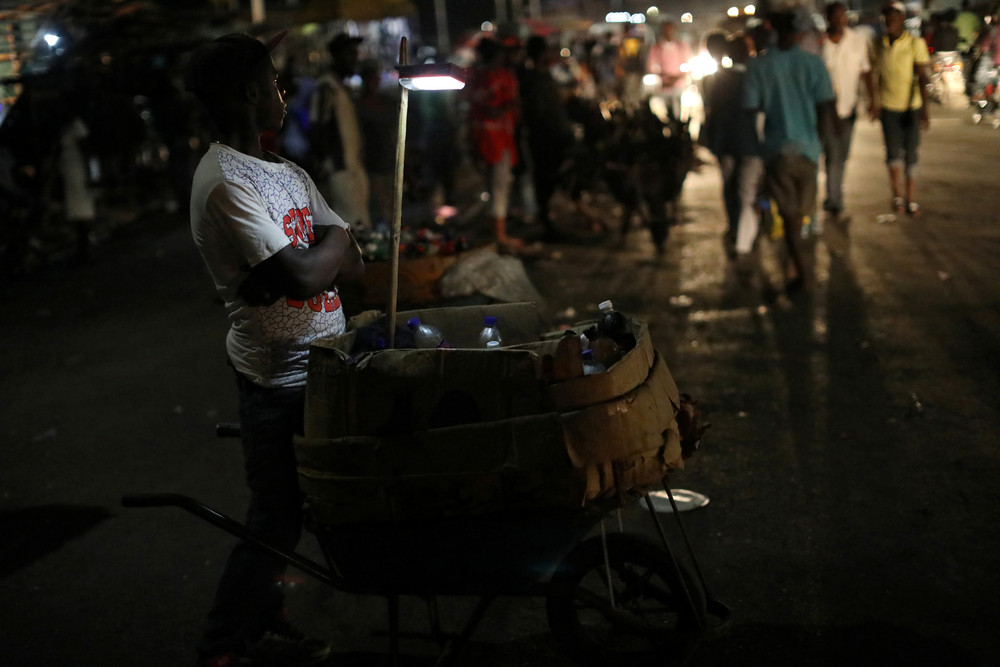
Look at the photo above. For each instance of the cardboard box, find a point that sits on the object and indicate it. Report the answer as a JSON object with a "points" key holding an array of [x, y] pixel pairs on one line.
{"points": [[405, 391], [607, 452]]}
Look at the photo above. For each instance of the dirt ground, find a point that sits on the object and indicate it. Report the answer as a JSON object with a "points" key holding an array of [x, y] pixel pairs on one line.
{"points": [[851, 463]]}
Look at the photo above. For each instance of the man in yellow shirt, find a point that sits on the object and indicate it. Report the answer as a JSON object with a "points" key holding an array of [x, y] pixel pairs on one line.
{"points": [[903, 68]]}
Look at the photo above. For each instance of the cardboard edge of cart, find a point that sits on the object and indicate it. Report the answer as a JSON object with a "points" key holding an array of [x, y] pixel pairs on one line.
{"points": [[380, 393], [593, 440]]}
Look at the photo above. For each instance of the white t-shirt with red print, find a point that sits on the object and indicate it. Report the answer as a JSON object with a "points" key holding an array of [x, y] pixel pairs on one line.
{"points": [[244, 210]]}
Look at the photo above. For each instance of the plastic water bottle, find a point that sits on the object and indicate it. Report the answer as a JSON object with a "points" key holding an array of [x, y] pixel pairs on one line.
{"points": [[590, 364], [490, 332], [426, 336], [615, 326]]}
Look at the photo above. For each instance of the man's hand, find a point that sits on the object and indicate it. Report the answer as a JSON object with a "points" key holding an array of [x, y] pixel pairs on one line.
{"points": [[874, 111], [925, 118]]}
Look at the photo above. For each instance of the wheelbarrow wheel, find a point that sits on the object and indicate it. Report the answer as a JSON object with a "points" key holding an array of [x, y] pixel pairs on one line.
{"points": [[651, 617]]}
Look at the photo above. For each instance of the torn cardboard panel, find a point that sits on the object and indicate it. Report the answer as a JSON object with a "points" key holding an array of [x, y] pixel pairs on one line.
{"points": [[617, 429]]}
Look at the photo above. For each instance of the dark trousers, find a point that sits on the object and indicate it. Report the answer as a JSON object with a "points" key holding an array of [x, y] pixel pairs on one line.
{"points": [[901, 131], [836, 149], [249, 596]]}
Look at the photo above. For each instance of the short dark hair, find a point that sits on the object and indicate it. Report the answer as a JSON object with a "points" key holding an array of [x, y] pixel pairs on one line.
{"points": [[784, 23], [341, 43], [535, 46], [218, 68]]}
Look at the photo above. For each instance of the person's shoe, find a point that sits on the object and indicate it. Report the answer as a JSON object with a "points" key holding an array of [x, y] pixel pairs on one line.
{"points": [[912, 208], [284, 645], [898, 204]]}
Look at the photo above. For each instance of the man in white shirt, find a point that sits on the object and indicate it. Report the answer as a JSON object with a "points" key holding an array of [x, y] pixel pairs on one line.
{"points": [[275, 251], [846, 54]]}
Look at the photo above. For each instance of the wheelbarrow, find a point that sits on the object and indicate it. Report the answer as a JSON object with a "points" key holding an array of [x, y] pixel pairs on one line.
{"points": [[612, 597]]}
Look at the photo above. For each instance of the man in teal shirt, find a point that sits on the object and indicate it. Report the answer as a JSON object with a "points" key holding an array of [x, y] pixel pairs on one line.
{"points": [[792, 88]]}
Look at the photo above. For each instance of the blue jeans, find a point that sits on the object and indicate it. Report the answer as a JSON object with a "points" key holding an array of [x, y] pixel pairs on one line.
{"points": [[249, 596], [901, 130], [836, 150]]}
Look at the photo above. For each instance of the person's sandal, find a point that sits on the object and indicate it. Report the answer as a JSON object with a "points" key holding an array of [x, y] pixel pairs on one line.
{"points": [[913, 208], [897, 204]]}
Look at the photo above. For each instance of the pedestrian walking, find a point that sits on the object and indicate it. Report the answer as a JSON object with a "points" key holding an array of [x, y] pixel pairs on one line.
{"points": [[793, 90], [731, 135], [902, 64], [78, 198], [336, 137], [378, 115], [275, 251], [846, 52], [667, 58], [967, 23], [494, 108], [549, 136]]}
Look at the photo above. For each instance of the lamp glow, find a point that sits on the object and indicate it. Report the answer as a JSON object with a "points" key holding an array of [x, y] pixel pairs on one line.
{"points": [[733, 12], [51, 39], [431, 76]]}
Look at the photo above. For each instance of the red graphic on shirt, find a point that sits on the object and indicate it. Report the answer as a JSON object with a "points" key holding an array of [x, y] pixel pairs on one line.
{"points": [[327, 302], [298, 226]]}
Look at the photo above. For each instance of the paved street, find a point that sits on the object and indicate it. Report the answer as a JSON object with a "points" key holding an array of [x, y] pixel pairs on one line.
{"points": [[851, 463]]}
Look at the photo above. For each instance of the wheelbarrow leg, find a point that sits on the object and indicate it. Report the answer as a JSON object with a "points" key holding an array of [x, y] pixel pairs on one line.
{"points": [[684, 585], [453, 649], [714, 608]]}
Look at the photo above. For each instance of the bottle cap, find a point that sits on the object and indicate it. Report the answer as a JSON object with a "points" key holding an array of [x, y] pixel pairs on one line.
{"points": [[490, 321], [413, 322], [588, 354], [606, 305]]}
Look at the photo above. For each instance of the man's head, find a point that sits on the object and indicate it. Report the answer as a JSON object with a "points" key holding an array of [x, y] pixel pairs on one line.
{"points": [[893, 14], [836, 16], [343, 50], [668, 29], [785, 26], [715, 44], [488, 50], [234, 74]]}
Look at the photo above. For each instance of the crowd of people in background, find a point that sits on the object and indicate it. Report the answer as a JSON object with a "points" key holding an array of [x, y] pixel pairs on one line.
{"points": [[535, 104]]}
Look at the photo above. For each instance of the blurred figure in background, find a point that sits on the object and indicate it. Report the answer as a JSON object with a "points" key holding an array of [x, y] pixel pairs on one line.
{"points": [[494, 106], [378, 114], [968, 24], [731, 135], [903, 66], [78, 200], [546, 123], [793, 90], [846, 54], [666, 56], [335, 138]]}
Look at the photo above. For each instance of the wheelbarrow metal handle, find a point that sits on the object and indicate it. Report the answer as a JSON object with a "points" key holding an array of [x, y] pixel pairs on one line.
{"points": [[232, 527]]}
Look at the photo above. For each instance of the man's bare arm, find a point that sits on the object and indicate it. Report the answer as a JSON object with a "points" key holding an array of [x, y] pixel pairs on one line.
{"points": [[302, 273]]}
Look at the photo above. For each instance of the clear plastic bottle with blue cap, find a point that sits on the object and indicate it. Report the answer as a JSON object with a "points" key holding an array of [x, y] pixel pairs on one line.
{"points": [[490, 332], [426, 336]]}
